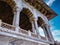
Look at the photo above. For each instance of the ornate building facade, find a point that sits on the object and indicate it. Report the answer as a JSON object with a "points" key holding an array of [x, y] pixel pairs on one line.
{"points": [[20, 21]]}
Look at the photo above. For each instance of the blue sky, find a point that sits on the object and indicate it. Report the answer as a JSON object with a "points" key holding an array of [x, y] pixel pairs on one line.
{"points": [[55, 22]]}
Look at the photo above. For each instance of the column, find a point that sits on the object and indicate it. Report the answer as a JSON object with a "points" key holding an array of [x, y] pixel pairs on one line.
{"points": [[16, 18], [35, 18], [45, 32], [0, 23], [36, 27], [33, 28], [49, 34], [48, 27]]}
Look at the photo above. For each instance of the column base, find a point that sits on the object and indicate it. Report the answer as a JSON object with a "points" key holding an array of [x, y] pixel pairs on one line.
{"points": [[17, 29]]}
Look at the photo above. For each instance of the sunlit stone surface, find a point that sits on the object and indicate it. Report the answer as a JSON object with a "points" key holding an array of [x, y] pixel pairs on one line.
{"points": [[20, 21]]}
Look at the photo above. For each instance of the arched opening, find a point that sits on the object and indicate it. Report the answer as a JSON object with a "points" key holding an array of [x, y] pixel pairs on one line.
{"points": [[25, 23], [43, 29], [6, 12], [40, 23]]}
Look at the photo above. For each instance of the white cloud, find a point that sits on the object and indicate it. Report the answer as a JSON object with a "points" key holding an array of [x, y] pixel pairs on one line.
{"points": [[52, 26], [50, 2], [41, 31], [56, 34]]}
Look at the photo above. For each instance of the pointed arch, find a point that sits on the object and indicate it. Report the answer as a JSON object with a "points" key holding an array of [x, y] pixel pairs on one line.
{"points": [[25, 22], [6, 12]]}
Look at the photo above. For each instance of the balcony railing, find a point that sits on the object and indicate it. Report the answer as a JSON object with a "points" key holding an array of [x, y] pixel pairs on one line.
{"points": [[23, 31], [11, 27], [7, 27]]}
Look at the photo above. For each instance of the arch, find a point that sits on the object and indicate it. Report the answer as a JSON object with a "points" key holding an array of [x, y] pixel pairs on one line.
{"points": [[42, 28], [44, 19], [11, 3], [28, 12], [39, 14], [25, 22], [6, 13], [41, 22], [36, 13]]}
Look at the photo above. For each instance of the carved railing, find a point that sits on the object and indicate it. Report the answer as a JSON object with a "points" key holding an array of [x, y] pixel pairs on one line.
{"points": [[28, 33], [21, 31], [31, 34], [42, 37], [34, 35], [8, 26]]}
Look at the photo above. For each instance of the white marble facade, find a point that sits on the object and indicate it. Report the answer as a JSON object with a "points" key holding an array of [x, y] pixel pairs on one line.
{"points": [[20, 4]]}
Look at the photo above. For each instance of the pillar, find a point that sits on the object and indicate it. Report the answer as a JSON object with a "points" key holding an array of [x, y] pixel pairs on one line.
{"points": [[32, 23], [36, 27], [16, 18], [45, 32], [49, 34], [33, 27], [35, 18], [0, 23]]}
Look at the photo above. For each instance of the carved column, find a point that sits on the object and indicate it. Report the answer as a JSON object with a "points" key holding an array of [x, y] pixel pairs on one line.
{"points": [[33, 27], [35, 18], [36, 27], [0, 23], [49, 34], [48, 27], [16, 18], [44, 32]]}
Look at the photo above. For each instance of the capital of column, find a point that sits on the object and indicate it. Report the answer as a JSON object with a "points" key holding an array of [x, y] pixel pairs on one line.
{"points": [[18, 9], [33, 19]]}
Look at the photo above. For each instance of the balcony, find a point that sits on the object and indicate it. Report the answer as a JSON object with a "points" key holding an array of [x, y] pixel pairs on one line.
{"points": [[10, 30]]}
